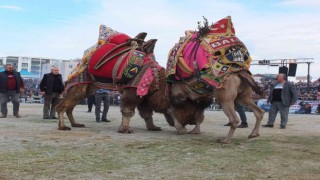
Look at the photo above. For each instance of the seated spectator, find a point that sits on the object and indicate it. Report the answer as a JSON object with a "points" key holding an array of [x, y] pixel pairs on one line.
{"points": [[318, 109], [307, 108], [302, 108]]}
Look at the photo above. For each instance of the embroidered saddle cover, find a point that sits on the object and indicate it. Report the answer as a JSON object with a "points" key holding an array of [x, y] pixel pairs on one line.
{"points": [[120, 68], [123, 69], [219, 50]]}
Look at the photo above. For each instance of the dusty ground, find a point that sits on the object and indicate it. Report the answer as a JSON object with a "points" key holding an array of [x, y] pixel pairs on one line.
{"points": [[33, 148]]}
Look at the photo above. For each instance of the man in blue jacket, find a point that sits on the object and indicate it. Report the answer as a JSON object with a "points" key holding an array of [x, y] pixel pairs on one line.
{"points": [[282, 96]]}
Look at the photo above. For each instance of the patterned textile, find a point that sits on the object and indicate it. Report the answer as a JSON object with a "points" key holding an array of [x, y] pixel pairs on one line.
{"points": [[84, 63], [174, 55], [199, 86], [81, 78], [147, 79], [106, 69], [108, 35], [148, 73], [105, 33], [130, 69], [131, 66], [218, 51]]}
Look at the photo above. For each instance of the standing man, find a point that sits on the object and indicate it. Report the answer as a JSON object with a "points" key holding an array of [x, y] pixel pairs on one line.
{"points": [[51, 87], [90, 102], [241, 111], [11, 84], [102, 95], [282, 96]]}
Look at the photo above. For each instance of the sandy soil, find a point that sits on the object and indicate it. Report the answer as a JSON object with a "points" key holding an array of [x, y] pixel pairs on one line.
{"points": [[31, 129], [32, 126]]}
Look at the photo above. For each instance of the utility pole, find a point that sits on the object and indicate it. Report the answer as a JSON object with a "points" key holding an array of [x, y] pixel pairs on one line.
{"points": [[308, 77]]}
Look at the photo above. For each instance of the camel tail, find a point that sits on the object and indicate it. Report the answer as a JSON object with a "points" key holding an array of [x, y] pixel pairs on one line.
{"points": [[246, 77]]}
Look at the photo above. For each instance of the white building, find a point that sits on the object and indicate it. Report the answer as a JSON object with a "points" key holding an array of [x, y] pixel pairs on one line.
{"points": [[37, 66], [65, 68]]}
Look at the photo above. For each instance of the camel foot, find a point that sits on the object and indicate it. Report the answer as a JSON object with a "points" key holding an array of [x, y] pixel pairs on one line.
{"points": [[78, 125], [64, 128], [182, 131], [224, 141], [154, 128], [194, 131], [253, 135], [125, 129]]}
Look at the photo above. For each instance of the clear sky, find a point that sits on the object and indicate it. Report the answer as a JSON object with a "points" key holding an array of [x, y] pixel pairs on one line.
{"points": [[271, 29]]}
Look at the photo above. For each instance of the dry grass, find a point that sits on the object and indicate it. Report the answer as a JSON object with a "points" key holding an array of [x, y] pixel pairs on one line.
{"points": [[32, 148]]}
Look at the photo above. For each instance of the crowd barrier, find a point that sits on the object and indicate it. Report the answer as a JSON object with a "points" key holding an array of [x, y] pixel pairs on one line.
{"points": [[262, 103]]}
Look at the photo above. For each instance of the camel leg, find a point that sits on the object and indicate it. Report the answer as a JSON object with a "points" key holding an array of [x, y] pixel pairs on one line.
{"points": [[226, 97], [71, 119], [129, 101], [61, 110], [67, 105], [228, 108], [258, 113], [196, 129], [199, 116], [127, 114], [181, 129], [146, 112]]}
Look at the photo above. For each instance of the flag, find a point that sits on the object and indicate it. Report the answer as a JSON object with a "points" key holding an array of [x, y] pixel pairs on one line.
{"points": [[223, 26]]}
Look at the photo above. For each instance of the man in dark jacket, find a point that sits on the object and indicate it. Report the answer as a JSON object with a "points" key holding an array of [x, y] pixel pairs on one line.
{"points": [[51, 87], [11, 85], [282, 96]]}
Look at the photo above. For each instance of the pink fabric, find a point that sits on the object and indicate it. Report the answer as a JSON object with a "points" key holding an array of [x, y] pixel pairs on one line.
{"points": [[146, 81], [144, 84], [201, 57]]}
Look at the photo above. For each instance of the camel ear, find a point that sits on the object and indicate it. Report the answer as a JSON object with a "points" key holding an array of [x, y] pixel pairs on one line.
{"points": [[141, 36], [148, 47]]}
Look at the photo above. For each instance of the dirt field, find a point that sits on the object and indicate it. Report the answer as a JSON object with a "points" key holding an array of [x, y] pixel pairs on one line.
{"points": [[33, 148]]}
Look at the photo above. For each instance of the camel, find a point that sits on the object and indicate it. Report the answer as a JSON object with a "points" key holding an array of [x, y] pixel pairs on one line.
{"points": [[146, 99], [213, 62]]}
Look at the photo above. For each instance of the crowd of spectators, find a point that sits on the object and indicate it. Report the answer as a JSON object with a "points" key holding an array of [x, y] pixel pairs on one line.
{"points": [[304, 93], [32, 89]]}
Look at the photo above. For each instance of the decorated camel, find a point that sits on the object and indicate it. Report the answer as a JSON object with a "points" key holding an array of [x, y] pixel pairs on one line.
{"points": [[118, 62], [213, 62]]}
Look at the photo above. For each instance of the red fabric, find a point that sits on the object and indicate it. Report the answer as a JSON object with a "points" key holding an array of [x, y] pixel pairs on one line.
{"points": [[106, 69], [145, 83], [147, 80], [221, 26], [11, 83], [118, 38]]}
